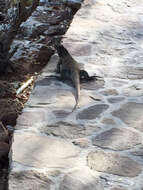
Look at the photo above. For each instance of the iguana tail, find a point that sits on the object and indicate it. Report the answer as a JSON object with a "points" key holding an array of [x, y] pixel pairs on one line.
{"points": [[76, 82]]}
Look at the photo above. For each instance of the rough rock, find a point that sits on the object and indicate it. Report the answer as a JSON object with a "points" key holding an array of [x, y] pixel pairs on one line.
{"points": [[133, 91], [106, 39], [30, 118], [110, 92], [117, 139], [118, 188], [26, 180], [71, 131], [43, 95], [43, 151], [92, 112], [113, 163], [82, 142], [131, 114], [93, 85], [138, 152], [79, 181], [108, 121], [79, 50], [115, 100]]}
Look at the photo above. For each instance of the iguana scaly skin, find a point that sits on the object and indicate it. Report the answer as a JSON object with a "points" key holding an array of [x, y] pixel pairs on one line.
{"points": [[68, 68]]}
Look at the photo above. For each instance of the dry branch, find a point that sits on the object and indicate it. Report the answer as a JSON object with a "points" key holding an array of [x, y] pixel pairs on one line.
{"points": [[25, 85]]}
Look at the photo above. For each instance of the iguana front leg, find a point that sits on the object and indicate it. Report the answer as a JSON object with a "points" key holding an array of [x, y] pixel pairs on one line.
{"points": [[65, 74], [58, 68]]}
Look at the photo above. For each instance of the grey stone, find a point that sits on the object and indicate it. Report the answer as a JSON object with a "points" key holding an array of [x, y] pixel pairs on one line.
{"points": [[30, 117], [70, 131], [79, 49], [119, 83], [33, 28], [113, 163], [79, 180], [138, 152], [134, 73], [122, 72], [43, 152], [108, 121], [42, 95], [115, 100], [29, 180], [55, 30], [92, 112], [117, 139], [106, 43], [43, 82], [110, 92], [133, 91], [88, 98], [118, 188], [82, 142], [61, 113], [93, 85], [131, 114]]}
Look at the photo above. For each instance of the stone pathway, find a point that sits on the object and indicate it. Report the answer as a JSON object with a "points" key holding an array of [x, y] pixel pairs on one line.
{"points": [[100, 145]]}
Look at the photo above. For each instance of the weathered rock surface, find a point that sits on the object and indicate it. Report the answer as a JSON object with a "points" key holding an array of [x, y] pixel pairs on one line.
{"points": [[67, 130], [42, 151], [99, 145], [118, 188], [113, 163], [115, 100], [29, 180], [110, 92], [138, 152], [131, 114], [117, 139], [108, 121], [92, 112], [79, 180], [133, 91]]}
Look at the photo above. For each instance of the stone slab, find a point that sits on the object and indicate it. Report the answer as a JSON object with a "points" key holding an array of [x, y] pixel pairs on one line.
{"points": [[113, 163], [80, 180], [117, 139], [29, 180], [131, 114], [70, 131], [92, 112], [43, 152]]}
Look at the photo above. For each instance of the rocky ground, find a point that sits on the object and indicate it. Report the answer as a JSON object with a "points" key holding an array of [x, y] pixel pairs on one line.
{"points": [[99, 145], [50, 20]]}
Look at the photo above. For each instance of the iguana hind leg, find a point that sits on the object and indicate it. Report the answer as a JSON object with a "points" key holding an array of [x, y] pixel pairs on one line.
{"points": [[84, 76]]}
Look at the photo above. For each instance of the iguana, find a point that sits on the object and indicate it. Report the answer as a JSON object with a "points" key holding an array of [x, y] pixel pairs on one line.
{"points": [[69, 70]]}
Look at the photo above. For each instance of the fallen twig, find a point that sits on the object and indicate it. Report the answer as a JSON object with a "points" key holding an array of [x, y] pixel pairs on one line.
{"points": [[25, 85]]}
